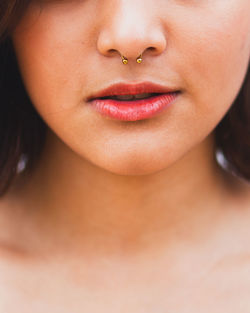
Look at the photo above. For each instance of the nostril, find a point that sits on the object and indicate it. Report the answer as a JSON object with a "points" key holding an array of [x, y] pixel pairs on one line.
{"points": [[111, 52]]}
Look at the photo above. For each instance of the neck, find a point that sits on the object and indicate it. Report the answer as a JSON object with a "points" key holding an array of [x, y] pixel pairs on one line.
{"points": [[108, 213]]}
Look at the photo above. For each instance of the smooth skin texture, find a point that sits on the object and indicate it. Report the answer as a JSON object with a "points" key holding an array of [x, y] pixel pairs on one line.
{"points": [[138, 214]]}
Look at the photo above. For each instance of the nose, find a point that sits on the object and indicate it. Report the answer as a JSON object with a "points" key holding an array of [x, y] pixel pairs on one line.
{"points": [[130, 30]]}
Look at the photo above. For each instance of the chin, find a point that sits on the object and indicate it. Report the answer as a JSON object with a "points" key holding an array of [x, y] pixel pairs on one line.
{"points": [[133, 166]]}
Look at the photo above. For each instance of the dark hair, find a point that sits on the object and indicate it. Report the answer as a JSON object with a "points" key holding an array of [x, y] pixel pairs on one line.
{"points": [[22, 131]]}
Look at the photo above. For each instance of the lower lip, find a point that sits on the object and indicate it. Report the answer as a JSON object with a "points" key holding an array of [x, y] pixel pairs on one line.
{"points": [[134, 110]]}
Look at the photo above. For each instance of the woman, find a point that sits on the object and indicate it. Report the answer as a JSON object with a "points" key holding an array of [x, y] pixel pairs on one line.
{"points": [[114, 118]]}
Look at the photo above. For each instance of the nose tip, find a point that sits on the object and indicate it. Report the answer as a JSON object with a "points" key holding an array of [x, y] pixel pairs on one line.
{"points": [[130, 47], [130, 38]]}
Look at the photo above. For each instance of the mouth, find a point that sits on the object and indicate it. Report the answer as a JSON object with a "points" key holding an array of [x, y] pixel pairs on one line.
{"points": [[132, 102], [130, 108], [125, 91], [130, 97]]}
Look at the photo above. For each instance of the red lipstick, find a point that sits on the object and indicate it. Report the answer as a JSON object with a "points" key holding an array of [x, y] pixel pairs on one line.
{"points": [[132, 102]]}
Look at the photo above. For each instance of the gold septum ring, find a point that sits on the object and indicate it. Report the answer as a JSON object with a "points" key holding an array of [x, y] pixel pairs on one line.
{"points": [[125, 60]]}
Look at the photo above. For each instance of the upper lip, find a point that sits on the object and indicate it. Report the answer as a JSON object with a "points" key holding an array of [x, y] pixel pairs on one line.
{"points": [[131, 89]]}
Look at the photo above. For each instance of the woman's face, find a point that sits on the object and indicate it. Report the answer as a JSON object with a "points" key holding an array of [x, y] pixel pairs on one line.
{"points": [[70, 49]]}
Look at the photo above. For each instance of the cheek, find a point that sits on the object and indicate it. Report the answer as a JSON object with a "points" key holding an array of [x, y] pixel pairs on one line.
{"points": [[51, 53], [211, 60], [216, 53]]}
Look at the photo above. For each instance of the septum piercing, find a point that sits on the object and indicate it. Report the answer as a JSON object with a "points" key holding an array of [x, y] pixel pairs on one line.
{"points": [[139, 59], [125, 60]]}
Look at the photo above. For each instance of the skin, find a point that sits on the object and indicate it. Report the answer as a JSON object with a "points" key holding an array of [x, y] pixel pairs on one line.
{"points": [[128, 197]]}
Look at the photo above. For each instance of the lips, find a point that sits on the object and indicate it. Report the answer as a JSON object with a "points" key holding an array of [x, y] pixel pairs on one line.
{"points": [[131, 89], [131, 97], [132, 102]]}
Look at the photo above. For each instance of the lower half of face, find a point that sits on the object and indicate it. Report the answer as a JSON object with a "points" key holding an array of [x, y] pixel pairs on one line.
{"points": [[69, 50]]}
